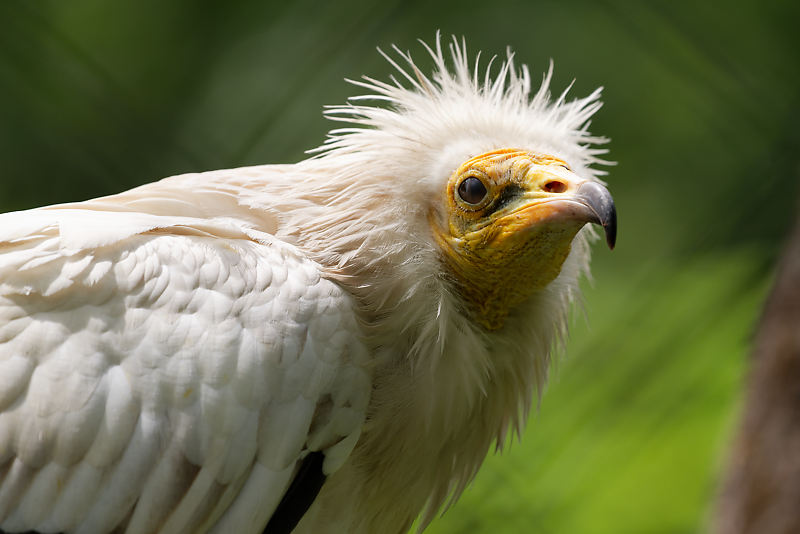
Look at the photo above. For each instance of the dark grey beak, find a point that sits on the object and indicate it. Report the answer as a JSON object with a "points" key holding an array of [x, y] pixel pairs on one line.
{"points": [[599, 200]]}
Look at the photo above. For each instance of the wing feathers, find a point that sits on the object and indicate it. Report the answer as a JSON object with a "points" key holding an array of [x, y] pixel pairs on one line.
{"points": [[194, 504], [165, 382], [119, 421], [14, 484], [40, 495], [167, 484], [77, 496], [123, 483], [282, 432], [15, 372], [256, 501]]}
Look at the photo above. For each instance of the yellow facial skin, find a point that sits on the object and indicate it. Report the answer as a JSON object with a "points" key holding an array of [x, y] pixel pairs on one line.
{"points": [[513, 242]]}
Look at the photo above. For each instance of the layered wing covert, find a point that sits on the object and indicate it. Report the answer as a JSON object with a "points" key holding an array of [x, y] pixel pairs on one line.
{"points": [[163, 377]]}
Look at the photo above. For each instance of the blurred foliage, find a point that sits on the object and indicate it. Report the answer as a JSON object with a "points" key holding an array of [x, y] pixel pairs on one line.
{"points": [[701, 102]]}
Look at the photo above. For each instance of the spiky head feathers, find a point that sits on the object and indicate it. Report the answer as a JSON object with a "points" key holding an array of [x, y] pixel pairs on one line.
{"points": [[461, 111]]}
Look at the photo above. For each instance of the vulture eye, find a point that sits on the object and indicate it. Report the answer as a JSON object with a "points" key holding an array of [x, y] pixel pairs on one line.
{"points": [[472, 190]]}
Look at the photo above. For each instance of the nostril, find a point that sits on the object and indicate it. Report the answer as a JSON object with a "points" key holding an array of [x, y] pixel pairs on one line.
{"points": [[555, 186]]}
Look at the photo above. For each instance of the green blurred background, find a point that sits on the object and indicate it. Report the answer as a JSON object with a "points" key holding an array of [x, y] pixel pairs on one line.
{"points": [[702, 102]]}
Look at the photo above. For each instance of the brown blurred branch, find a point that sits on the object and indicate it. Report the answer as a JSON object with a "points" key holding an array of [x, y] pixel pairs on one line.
{"points": [[762, 491]]}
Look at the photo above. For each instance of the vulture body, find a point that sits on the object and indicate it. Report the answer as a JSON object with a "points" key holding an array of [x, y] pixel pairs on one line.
{"points": [[331, 346]]}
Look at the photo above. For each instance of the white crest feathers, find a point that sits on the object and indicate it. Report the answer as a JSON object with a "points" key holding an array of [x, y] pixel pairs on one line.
{"points": [[464, 107]]}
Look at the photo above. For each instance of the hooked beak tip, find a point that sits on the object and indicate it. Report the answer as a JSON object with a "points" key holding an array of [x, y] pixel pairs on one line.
{"points": [[599, 200]]}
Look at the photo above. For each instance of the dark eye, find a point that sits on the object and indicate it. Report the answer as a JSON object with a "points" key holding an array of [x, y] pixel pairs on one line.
{"points": [[472, 190]]}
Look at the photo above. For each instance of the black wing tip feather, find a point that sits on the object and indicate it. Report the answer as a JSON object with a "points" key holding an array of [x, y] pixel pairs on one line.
{"points": [[302, 491]]}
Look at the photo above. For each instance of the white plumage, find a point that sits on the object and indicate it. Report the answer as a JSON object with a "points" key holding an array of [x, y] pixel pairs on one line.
{"points": [[170, 355], [169, 366]]}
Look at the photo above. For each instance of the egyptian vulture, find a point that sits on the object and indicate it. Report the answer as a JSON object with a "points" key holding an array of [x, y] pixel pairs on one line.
{"points": [[326, 347]]}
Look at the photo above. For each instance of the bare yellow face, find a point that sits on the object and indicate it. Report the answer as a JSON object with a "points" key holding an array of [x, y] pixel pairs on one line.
{"points": [[511, 219]]}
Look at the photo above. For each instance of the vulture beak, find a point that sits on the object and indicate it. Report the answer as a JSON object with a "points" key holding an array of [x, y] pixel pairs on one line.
{"points": [[597, 198], [560, 195]]}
